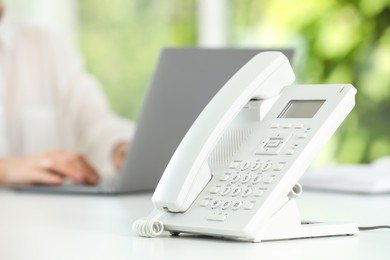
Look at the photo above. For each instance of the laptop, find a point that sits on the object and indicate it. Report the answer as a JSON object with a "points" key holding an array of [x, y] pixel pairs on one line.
{"points": [[184, 81]]}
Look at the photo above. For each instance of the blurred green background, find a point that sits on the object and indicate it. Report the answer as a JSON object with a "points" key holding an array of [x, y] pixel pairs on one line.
{"points": [[341, 41]]}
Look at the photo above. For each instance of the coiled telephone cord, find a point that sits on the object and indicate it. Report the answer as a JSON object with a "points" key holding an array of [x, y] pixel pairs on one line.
{"points": [[149, 226]]}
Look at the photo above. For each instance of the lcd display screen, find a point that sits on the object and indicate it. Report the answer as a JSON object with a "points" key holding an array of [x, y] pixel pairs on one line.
{"points": [[301, 108]]}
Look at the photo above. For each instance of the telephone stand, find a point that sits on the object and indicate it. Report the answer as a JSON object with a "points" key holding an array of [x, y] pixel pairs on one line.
{"points": [[286, 224]]}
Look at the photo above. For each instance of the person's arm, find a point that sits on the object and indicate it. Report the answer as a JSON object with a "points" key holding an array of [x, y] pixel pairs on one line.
{"points": [[100, 135]]}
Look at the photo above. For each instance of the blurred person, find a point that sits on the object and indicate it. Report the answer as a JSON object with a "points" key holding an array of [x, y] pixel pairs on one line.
{"points": [[55, 123]]}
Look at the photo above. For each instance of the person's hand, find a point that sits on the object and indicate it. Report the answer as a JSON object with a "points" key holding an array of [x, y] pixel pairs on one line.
{"points": [[49, 168], [119, 154]]}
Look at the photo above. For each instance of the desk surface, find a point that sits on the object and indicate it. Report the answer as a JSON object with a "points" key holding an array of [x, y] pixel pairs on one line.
{"points": [[38, 226]]}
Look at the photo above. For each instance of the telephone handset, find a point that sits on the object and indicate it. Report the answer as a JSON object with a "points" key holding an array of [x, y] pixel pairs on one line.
{"points": [[188, 172], [235, 172]]}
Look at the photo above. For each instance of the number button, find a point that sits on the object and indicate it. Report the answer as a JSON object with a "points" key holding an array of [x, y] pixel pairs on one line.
{"points": [[226, 190], [246, 178], [247, 192], [256, 179], [226, 204], [236, 192], [266, 166], [236, 205], [245, 165], [235, 178], [215, 204], [256, 166]]}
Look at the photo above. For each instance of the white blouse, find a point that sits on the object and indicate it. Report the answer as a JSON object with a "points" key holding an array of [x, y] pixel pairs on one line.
{"points": [[48, 100]]}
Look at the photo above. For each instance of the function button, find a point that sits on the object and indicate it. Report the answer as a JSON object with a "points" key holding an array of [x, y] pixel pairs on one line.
{"points": [[275, 125], [216, 217], [290, 152], [237, 205], [226, 204], [249, 205], [226, 190], [302, 135], [215, 189], [279, 167], [245, 165], [236, 191], [234, 165], [235, 178], [247, 192], [204, 203], [258, 193], [268, 180], [298, 126], [272, 143], [256, 179], [287, 125], [246, 178], [224, 177], [266, 166], [216, 204], [256, 166]]}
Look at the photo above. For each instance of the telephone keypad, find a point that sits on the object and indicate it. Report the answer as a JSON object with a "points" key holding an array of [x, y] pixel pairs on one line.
{"points": [[245, 184]]}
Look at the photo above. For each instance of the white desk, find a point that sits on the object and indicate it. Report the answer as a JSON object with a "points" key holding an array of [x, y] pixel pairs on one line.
{"points": [[37, 226]]}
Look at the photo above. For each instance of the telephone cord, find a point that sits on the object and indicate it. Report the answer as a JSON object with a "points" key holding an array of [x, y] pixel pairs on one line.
{"points": [[374, 227], [149, 226]]}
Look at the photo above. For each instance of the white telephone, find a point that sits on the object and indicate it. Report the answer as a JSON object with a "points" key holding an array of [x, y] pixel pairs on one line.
{"points": [[235, 173]]}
